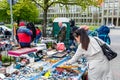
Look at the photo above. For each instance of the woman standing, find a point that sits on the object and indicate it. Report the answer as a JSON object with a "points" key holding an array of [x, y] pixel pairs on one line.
{"points": [[98, 65], [38, 35]]}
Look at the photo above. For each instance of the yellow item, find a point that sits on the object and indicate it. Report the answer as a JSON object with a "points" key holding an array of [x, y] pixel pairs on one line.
{"points": [[47, 74]]}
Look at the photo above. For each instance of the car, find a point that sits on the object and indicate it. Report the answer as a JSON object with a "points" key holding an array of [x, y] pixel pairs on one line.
{"points": [[3, 28], [1, 23], [111, 26]]}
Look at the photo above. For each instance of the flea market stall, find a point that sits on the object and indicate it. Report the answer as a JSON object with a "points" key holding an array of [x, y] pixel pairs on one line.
{"points": [[40, 63]]}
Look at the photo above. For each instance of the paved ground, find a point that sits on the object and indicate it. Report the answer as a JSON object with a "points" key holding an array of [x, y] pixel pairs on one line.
{"points": [[115, 43]]}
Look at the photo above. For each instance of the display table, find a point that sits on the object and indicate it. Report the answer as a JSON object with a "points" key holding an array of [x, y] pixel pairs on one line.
{"points": [[51, 73], [50, 67], [19, 52], [47, 68]]}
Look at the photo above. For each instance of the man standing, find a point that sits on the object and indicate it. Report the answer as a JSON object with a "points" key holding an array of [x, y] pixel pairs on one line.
{"points": [[62, 32]]}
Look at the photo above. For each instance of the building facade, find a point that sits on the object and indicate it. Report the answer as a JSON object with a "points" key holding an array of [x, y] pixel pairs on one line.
{"points": [[111, 12], [108, 13]]}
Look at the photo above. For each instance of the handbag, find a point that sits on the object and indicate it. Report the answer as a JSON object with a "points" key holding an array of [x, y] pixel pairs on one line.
{"points": [[108, 52]]}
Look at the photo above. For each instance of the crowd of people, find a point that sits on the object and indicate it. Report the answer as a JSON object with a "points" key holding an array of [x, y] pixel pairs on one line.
{"points": [[27, 33]]}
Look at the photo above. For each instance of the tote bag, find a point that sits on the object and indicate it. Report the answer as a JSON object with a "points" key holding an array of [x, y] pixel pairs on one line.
{"points": [[108, 52]]}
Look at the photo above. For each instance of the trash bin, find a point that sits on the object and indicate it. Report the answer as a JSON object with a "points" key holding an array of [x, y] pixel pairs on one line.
{"points": [[56, 28]]}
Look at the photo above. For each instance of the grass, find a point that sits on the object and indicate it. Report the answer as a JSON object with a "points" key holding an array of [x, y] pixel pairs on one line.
{"points": [[9, 26], [93, 27], [6, 59]]}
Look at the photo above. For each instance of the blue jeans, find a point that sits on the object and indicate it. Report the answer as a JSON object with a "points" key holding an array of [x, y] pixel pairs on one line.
{"points": [[24, 45], [37, 38]]}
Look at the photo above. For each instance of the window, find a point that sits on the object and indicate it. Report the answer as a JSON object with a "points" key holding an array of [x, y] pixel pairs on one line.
{"points": [[116, 5], [106, 0], [115, 12], [105, 12], [111, 5], [106, 5]]}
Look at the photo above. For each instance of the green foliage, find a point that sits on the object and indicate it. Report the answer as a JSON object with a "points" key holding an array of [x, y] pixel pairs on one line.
{"points": [[22, 10], [4, 7], [25, 10], [46, 4], [38, 21], [9, 26], [6, 59]]}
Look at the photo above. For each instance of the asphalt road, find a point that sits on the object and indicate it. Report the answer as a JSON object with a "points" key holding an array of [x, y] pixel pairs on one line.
{"points": [[115, 44]]}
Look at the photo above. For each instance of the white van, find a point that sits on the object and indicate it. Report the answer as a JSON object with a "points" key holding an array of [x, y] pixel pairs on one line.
{"points": [[3, 28]]}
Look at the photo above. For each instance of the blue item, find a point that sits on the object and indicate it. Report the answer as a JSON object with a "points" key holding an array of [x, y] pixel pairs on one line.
{"points": [[18, 66], [103, 32]]}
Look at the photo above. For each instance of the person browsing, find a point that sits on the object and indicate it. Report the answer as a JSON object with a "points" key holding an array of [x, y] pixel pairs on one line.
{"points": [[98, 64]]}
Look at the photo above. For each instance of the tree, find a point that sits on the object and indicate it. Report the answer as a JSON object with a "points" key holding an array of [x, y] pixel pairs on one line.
{"points": [[22, 10], [4, 6], [25, 10], [46, 4]]}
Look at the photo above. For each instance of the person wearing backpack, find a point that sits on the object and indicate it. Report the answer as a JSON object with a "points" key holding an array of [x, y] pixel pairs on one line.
{"points": [[24, 35]]}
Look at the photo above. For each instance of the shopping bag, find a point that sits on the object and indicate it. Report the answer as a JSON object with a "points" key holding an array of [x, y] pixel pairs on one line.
{"points": [[60, 47], [108, 52]]}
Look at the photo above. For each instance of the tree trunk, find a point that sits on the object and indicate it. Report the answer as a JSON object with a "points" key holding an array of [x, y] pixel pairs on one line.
{"points": [[44, 22], [18, 21]]}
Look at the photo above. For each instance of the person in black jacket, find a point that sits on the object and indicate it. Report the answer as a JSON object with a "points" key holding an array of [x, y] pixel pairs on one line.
{"points": [[73, 28], [31, 26]]}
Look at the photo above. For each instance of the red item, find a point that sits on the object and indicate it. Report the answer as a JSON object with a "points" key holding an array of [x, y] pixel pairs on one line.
{"points": [[60, 47], [22, 24], [38, 31], [24, 38], [60, 70], [21, 51]]}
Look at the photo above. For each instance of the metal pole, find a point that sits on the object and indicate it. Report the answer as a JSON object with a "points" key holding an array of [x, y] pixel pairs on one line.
{"points": [[11, 13]]}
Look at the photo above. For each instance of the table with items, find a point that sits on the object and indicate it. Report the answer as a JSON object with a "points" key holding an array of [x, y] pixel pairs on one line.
{"points": [[50, 66]]}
